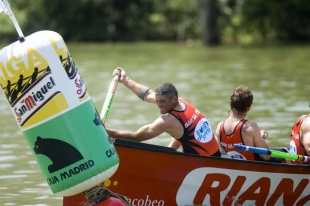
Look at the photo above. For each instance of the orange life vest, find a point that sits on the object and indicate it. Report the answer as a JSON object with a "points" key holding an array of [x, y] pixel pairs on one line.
{"points": [[296, 146], [227, 142], [198, 137]]}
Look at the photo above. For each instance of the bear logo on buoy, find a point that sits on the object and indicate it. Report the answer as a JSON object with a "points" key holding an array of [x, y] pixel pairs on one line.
{"points": [[61, 153], [97, 120]]}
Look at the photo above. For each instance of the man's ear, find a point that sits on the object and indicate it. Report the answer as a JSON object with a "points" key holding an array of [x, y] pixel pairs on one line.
{"points": [[175, 98]]}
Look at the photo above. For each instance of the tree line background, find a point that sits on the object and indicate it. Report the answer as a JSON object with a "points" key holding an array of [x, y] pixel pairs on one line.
{"points": [[212, 21]]}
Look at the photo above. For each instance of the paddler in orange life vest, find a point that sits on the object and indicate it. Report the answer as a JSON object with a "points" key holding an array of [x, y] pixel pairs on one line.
{"points": [[181, 120], [300, 137], [238, 130]]}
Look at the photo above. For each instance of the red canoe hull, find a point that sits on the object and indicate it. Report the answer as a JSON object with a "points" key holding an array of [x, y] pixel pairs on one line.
{"points": [[154, 175]]}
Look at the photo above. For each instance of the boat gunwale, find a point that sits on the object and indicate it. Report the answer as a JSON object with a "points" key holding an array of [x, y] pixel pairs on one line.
{"points": [[168, 150]]}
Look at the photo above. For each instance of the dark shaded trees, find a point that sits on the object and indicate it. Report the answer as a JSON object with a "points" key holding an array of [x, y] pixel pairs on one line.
{"points": [[211, 21]]}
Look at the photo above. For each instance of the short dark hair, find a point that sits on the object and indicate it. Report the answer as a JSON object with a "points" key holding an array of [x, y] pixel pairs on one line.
{"points": [[241, 98], [167, 90]]}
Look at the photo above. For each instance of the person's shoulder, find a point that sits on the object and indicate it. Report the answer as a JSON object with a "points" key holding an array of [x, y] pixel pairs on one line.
{"points": [[218, 127], [220, 123], [167, 120], [304, 117], [164, 120], [250, 122], [307, 119], [250, 125], [168, 117], [306, 124]]}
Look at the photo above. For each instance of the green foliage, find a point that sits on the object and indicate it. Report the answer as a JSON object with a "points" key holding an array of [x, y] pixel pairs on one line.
{"points": [[8, 32], [239, 21], [291, 20], [176, 19], [249, 21]]}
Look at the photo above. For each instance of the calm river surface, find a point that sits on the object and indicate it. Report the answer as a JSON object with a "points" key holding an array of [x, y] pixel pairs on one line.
{"points": [[278, 76]]}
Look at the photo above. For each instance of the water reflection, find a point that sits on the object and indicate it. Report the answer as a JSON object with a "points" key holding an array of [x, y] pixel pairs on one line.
{"points": [[278, 78]]}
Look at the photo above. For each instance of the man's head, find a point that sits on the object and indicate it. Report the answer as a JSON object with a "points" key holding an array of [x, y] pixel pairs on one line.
{"points": [[166, 96], [241, 99]]}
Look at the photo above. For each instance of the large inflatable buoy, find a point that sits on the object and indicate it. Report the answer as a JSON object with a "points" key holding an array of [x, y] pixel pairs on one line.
{"points": [[55, 113]]}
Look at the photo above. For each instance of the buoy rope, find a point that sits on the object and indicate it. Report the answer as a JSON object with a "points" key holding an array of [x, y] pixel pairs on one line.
{"points": [[100, 193]]}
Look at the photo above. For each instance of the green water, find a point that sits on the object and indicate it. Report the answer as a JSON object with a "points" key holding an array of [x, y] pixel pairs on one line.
{"points": [[278, 77]]}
